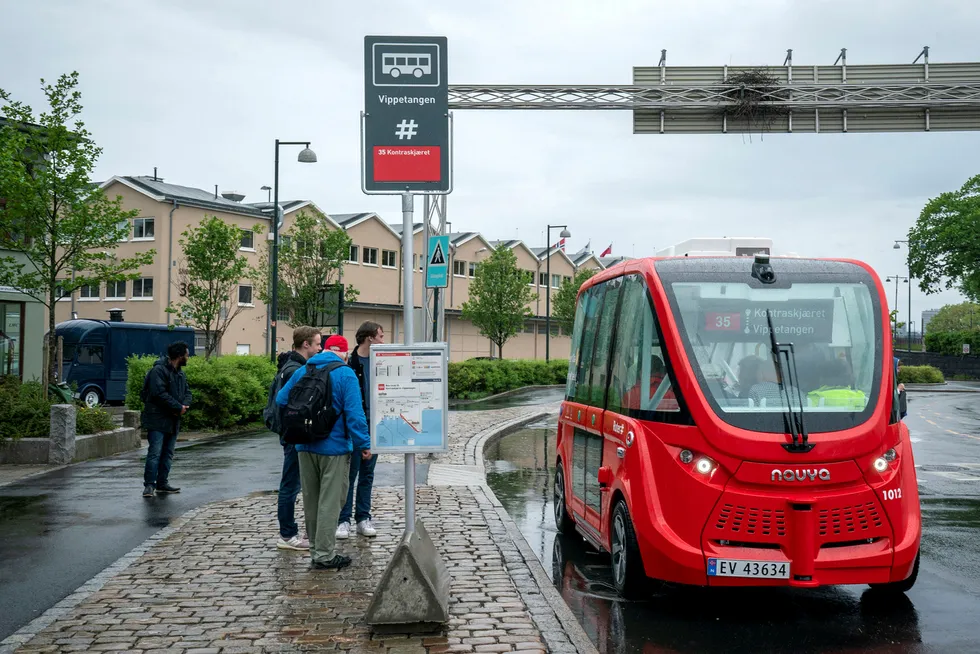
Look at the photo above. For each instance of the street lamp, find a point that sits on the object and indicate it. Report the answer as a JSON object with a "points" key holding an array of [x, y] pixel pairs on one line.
{"points": [[306, 155], [268, 193], [897, 279], [547, 301], [908, 260]]}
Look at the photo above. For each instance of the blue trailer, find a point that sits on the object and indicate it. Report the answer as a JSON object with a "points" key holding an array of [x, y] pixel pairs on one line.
{"points": [[95, 353]]}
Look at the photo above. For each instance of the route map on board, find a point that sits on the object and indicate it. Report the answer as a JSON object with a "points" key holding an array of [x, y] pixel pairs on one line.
{"points": [[408, 399]]}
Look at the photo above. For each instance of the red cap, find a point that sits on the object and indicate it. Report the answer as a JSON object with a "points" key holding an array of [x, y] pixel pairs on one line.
{"points": [[336, 343]]}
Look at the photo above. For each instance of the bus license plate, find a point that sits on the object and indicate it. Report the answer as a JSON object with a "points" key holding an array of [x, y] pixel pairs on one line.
{"points": [[751, 569]]}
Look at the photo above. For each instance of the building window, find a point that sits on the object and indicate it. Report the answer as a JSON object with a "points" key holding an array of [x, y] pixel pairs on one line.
{"points": [[352, 257], [243, 349], [59, 290], [473, 265], [528, 327], [566, 280], [555, 281], [370, 256], [200, 342], [115, 290], [123, 230], [11, 337], [459, 268], [283, 314], [143, 288], [88, 292], [143, 229], [529, 276], [388, 258], [248, 240], [245, 296], [542, 279]]}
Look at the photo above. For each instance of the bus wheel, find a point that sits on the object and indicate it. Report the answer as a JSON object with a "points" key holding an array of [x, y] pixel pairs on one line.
{"points": [[627, 566], [904, 586], [562, 520], [92, 398]]}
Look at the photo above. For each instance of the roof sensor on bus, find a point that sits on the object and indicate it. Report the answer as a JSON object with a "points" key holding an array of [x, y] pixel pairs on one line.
{"points": [[762, 270]]}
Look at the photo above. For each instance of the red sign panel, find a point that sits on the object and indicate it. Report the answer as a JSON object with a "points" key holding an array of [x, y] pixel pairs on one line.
{"points": [[722, 322], [407, 163]]}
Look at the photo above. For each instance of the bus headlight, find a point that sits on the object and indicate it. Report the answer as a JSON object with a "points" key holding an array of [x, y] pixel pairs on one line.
{"points": [[705, 465], [881, 464]]}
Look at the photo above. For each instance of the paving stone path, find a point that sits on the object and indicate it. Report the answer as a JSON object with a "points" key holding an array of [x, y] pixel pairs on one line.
{"points": [[216, 583]]}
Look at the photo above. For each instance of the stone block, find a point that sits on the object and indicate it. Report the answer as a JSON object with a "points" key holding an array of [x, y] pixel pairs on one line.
{"points": [[415, 586], [131, 419], [62, 448]]}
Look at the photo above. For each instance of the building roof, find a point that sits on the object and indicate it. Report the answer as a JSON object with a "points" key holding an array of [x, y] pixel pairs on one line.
{"points": [[161, 191], [612, 261], [416, 227]]}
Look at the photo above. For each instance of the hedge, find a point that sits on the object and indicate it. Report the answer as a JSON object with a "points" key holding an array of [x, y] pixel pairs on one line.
{"points": [[920, 375], [951, 343], [475, 379], [227, 391], [24, 413]]}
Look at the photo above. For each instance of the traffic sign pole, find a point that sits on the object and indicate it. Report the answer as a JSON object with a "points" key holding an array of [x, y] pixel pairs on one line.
{"points": [[408, 209]]}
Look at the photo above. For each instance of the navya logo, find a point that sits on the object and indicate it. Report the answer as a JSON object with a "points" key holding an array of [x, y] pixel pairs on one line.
{"points": [[619, 428], [811, 474]]}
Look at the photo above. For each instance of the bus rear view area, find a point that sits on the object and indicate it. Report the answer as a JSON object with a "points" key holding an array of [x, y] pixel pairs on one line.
{"points": [[733, 421]]}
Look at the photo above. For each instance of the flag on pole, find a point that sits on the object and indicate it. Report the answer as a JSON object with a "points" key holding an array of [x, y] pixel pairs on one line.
{"points": [[560, 245], [607, 251]]}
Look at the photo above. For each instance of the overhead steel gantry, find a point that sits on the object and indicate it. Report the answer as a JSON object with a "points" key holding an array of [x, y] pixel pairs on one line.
{"points": [[837, 98], [912, 97]]}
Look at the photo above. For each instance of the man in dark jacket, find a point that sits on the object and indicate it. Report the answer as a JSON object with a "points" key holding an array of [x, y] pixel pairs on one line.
{"points": [[306, 343], [361, 469], [166, 398]]}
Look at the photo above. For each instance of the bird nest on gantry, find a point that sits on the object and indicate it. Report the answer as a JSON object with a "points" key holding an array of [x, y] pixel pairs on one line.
{"points": [[751, 96]]}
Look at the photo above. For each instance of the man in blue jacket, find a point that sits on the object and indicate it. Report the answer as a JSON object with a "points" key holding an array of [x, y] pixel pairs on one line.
{"points": [[324, 464]]}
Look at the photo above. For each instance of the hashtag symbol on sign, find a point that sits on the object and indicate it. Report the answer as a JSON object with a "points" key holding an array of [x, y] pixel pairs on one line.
{"points": [[406, 129]]}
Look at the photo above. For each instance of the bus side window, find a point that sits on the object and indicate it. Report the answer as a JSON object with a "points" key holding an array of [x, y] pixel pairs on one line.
{"points": [[603, 343], [576, 353], [583, 389]]}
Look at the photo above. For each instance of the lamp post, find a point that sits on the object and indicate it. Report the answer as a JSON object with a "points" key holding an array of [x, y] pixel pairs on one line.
{"points": [[306, 155], [899, 247], [547, 293], [897, 279]]}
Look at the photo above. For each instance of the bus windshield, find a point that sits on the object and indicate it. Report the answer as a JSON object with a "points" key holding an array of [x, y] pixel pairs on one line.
{"points": [[832, 327]]}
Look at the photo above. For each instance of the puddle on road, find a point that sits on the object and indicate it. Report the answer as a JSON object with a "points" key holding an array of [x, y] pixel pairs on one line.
{"points": [[520, 470], [524, 398]]}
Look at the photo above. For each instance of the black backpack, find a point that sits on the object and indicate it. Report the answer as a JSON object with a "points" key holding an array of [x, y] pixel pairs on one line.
{"points": [[309, 414], [270, 414]]}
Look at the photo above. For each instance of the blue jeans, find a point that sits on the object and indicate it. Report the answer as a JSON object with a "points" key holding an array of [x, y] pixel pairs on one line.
{"points": [[289, 488], [159, 458], [365, 470]]}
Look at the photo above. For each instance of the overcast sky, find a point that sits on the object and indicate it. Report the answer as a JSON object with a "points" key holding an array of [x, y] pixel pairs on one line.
{"points": [[200, 89]]}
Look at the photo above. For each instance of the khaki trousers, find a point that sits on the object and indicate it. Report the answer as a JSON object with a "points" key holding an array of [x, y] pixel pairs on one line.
{"points": [[325, 481]]}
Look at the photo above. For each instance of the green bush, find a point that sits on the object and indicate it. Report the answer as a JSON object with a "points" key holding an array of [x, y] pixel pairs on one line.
{"points": [[475, 379], [920, 375], [24, 413], [227, 391], [92, 421], [951, 343]]}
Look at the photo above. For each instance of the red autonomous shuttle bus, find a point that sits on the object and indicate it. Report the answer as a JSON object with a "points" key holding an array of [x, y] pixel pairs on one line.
{"points": [[733, 421]]}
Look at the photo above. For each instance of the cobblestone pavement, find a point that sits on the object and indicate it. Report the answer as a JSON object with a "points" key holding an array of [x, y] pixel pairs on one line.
{"points": [[218, 584]]}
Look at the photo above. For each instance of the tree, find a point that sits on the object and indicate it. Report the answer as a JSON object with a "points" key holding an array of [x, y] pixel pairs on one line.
{"points": [[208, 277], [499, 295], [897, 325], [311, 258], [944, 251], [956, 318], [61, 228], [563, 302]]}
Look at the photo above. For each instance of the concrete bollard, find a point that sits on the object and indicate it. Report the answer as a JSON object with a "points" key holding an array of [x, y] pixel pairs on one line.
{"points": [[61, 450], [131, 419]]}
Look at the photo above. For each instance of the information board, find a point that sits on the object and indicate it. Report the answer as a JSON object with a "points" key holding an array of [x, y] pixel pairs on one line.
{"points": [[409, 398], [798, 321]]}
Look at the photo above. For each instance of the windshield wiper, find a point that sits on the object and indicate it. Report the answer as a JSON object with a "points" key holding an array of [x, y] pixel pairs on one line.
{"points": [[795, 423]]}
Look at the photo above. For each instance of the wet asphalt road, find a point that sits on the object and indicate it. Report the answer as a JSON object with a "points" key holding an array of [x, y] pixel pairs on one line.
{"points": [[940, 614], [59, 530]]}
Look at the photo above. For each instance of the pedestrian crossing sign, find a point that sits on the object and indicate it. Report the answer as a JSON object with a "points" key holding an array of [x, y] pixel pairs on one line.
{"points": [[437, 263]]}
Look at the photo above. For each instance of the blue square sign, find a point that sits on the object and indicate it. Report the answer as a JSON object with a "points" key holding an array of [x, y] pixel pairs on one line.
{"points": [[437, 262]]}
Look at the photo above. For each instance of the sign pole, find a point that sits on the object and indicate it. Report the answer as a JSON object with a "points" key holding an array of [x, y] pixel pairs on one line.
{"points": [[408, 209]]}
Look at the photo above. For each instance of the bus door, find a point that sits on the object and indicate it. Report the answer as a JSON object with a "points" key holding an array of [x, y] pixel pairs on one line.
{"points": [[589, 446]]}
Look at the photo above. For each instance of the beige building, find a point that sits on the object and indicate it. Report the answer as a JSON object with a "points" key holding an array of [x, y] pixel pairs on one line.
{"points": [[374, 268]]}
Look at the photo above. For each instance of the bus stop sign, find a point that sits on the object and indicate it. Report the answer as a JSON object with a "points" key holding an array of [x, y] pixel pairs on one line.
{"points": [[405, 145]]}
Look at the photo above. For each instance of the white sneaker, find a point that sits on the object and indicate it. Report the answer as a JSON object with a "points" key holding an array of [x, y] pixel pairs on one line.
{"points": [[294, 543], [343, 531], [365, 528]]}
